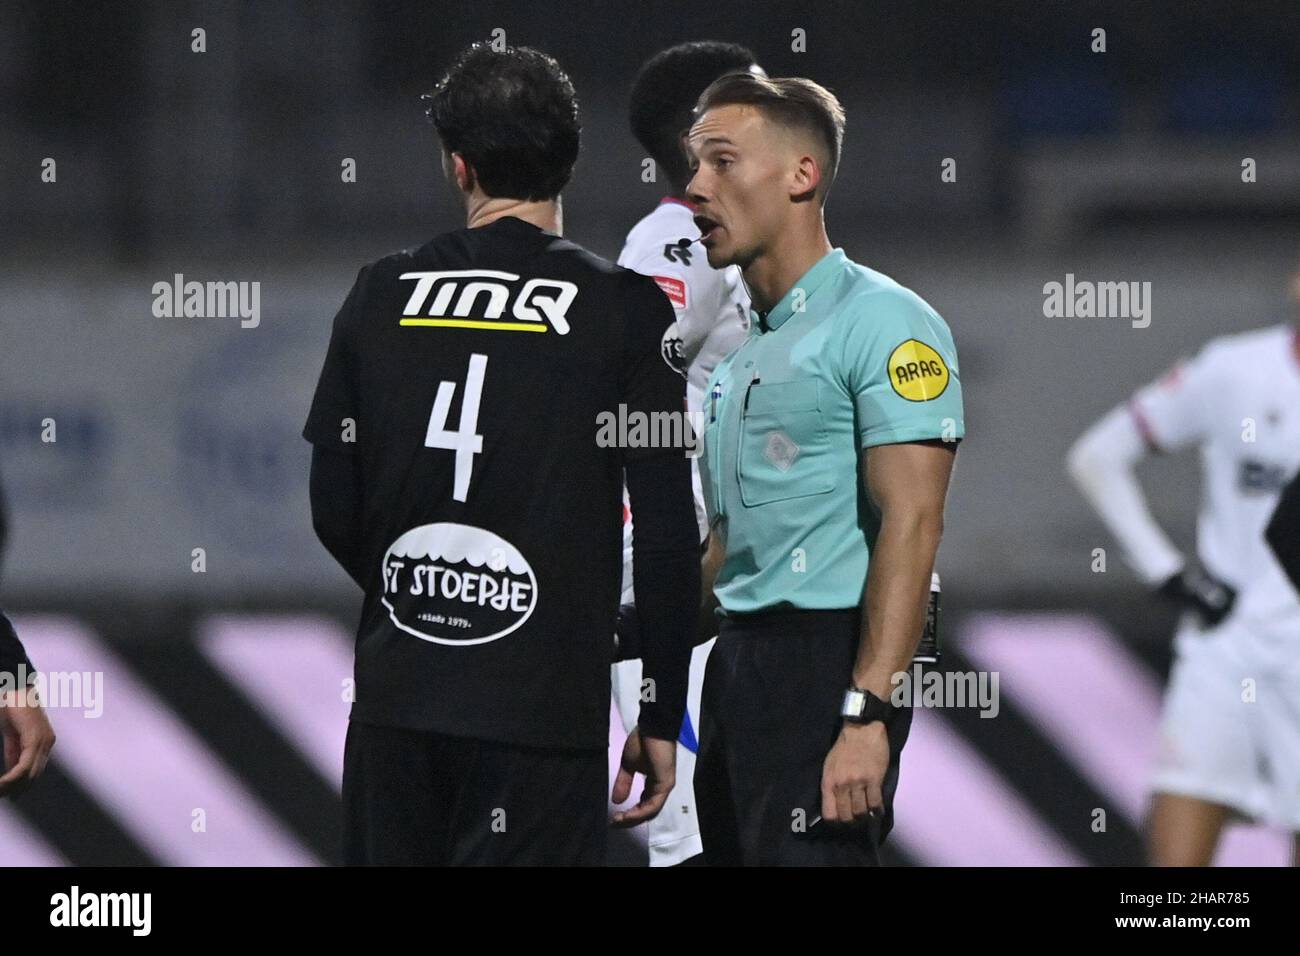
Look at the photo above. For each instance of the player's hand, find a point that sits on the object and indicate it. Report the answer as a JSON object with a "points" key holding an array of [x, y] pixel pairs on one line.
{"points": [[853, 774], [28, 738], [627, 634], [657, 760], [1197, 589]]}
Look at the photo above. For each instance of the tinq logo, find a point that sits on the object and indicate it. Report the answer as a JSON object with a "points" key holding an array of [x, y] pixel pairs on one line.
{"points": [[535, 306]]}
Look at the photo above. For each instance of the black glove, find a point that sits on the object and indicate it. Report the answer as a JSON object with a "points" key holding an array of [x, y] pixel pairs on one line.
{"points": [[627, 634], [1197, 589]]}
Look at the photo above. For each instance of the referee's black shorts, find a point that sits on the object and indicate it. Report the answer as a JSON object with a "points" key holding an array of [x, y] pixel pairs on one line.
{"points": [[769, 715], [415, 798]]}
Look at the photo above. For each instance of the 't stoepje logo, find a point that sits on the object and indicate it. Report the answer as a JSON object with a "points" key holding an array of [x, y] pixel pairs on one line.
{"points": [[456, 584], [479, 298], [74, 909]]}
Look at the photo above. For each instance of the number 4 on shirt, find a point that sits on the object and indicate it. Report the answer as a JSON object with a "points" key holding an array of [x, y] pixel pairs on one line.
{"points": [[464, 441]]}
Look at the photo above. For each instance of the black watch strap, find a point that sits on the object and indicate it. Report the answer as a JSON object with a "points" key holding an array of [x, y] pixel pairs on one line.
{"points": [[864, 707]]}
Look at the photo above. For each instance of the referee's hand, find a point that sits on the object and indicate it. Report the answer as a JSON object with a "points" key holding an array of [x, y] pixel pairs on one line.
{"points": [[853, 774], [657, 760], [28, 738]]}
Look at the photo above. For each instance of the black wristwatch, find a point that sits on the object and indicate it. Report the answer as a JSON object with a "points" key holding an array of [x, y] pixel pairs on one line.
{"points": [[864, 707]]}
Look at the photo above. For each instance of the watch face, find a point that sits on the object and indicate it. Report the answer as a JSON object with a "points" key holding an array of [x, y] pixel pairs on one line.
{"points": [[865, 708], [854, 703]]}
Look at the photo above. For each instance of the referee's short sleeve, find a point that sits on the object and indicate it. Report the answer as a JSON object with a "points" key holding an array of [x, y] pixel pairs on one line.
{"points": [[650, 384], [899, 365], [332, 420]]}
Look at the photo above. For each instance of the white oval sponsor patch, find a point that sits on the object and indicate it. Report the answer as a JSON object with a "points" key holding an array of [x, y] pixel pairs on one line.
{"points": [[673, 349], [456, 584]]}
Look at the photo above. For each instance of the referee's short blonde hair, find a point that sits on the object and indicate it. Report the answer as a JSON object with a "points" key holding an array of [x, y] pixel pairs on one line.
{"points": [[790, 101]]}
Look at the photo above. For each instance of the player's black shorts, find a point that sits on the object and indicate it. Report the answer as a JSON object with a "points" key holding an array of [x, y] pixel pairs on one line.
{"points": [[415, 798], [773, 689]]}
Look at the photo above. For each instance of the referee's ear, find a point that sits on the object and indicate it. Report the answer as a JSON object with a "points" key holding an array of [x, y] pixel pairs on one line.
{"points": [[806, 179]]}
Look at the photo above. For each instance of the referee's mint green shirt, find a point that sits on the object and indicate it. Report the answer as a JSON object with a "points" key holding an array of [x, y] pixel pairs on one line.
{"points": [[847, 360]]}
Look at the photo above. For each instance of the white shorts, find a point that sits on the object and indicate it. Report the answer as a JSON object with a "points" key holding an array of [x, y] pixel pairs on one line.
{"points": [[1230, 726], [674, 835]]}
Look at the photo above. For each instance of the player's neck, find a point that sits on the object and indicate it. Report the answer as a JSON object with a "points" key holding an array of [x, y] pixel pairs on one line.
{"points": [[545, 214], [771, 275]]}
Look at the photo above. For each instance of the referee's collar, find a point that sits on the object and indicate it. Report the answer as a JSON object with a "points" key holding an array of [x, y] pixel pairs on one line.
{"points": [[801, 292]]}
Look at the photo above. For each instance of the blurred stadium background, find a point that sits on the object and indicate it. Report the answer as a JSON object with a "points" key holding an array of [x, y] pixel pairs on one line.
{"points": [[222, 690]]}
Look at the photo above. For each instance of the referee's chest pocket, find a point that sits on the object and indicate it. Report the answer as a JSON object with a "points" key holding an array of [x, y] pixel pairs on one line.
{"points": [[783, 444]]}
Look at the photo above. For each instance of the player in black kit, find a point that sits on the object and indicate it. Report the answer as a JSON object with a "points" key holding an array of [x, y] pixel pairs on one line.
{"points": [[458, 477], [25, 730]]}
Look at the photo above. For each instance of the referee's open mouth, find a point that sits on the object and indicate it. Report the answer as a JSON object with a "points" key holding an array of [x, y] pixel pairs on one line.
{"points": [[708, 229]]}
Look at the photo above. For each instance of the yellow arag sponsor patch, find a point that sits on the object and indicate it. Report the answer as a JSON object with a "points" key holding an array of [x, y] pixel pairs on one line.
{"points": [[917, 372]]}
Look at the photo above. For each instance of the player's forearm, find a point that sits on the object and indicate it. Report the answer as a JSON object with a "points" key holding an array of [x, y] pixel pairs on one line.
{"points": [[665, 554], [1283, 532], [1101, 463], [12, 653], [336, 509], [896, 596]]}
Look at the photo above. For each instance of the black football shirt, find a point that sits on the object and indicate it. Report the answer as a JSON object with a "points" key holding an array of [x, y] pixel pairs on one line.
{"points": [[467, 377]]}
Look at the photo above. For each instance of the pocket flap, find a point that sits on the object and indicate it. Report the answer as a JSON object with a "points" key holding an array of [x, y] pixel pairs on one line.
{"points": [[799, 396]]}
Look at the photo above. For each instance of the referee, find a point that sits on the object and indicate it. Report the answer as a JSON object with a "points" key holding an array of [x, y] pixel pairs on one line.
{"points": [[829, 441], [457, 476]]}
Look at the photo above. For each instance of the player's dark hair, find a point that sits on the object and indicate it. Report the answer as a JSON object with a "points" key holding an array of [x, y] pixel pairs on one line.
{"points": [[513, 115], [665, 91], [789, 101]]}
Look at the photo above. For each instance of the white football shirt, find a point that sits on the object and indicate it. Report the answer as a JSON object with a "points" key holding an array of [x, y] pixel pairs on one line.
{"points": [[1238, 402], [712, 305]]}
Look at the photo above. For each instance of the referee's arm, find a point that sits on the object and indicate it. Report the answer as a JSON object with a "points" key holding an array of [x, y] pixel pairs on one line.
{"points": [[908, 482]]}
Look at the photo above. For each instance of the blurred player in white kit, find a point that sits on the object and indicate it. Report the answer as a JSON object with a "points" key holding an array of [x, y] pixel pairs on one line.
{"points": [[1230, 728], [712, 309]]}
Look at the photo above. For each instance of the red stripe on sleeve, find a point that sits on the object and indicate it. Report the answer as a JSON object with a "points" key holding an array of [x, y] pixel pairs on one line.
{"points": [[1144, 427]]}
